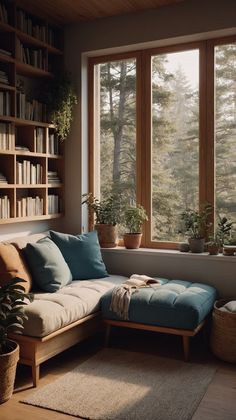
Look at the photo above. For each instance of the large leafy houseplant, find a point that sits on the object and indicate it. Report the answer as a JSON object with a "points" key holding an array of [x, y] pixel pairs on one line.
{"points": [[12, 316], [107, 214]]}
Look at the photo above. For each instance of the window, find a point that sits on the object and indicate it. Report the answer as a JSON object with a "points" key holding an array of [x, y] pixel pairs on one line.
{"points": [[162, 132], [175, 134], [225, 129], [115, 134]]}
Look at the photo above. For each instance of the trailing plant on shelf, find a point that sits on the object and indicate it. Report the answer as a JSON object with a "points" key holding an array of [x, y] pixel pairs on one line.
{"points": [[60, 99], [12, 316]]}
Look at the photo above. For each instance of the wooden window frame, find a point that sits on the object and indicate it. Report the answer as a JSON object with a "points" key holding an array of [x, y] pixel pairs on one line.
{"points": [[144, 129]]}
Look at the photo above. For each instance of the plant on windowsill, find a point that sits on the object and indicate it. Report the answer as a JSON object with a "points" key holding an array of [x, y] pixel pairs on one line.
{"points": [[134, 217], [12, 301], [196, 224], [221, 237], [107, 214]]}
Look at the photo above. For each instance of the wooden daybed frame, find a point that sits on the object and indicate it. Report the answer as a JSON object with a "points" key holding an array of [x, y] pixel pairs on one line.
{"points": [[186, 334], [34, 350]]}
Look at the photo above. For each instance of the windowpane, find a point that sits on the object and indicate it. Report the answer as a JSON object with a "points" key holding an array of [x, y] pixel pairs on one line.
{"points": [[225, 129], [175, 141], [115, 128]]}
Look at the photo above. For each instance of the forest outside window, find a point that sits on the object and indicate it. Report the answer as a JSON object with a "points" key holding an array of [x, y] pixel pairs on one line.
{"points": [[163, 132]]}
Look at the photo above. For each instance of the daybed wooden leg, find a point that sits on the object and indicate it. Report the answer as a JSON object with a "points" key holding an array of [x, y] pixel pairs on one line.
{"points": [[107, 335], [35, 375], [186, 347]]}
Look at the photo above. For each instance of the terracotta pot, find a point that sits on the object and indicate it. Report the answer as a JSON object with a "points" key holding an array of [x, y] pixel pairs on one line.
{"points": [[196, 245], [132, 240], [213, 249], [8, 363], [107, 235]]}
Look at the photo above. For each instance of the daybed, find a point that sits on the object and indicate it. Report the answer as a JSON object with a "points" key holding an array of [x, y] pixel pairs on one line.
{"points": [[68, 312]]}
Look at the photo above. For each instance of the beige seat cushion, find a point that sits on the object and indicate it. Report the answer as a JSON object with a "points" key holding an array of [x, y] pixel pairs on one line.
{"points": [[12, 265], [51, 311]]}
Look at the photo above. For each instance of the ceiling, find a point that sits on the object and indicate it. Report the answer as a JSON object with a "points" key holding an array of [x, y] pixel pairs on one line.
{"points": [[68, 11]]}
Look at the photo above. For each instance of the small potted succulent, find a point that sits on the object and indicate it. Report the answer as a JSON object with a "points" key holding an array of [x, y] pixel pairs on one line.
{"points": [[221, 237], [107, 215], [134, 217], [12, 301], [196, 224]]}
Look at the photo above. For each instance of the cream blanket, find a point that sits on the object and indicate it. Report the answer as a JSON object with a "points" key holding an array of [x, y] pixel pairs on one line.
{"points": [[121, 295]]}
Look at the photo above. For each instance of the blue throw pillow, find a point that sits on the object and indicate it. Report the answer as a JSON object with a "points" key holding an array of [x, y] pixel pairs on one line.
{"points": [[47, 265], [82, 254]]}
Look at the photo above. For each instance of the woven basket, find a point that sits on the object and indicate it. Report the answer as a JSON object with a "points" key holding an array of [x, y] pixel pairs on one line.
{"points": [[8, 363], [223, 332]]}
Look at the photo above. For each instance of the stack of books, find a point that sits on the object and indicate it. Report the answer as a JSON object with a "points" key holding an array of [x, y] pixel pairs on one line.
{"points": [[38, 136], [53, 204], [21, 148], [53, 177], [4, 103], [29, 206], [3, 179], [28, 173], [53, 144], [4, 77], [3, 13], [7, 133], [4, 207]]}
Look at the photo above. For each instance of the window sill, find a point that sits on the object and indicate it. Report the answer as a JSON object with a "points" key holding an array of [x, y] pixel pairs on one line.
{"points": [[170, 253]]}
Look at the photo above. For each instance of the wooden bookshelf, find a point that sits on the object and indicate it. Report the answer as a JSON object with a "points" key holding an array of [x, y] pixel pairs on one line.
{"points": [[31, 157]]}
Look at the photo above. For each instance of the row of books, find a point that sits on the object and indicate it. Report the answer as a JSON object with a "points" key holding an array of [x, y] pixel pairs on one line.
{"points": [[4, 207], [53, 177], [3, 13], [3, 179], [38, 138], [29, 110], [32, 56], [3, 76], [6, 136], [53, 144], [5, 103], [53, 204], [31, 26], [28, 173], [29, 206]]}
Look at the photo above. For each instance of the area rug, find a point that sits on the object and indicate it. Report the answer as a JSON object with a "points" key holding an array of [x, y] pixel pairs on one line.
{"points": [[121, 385]]}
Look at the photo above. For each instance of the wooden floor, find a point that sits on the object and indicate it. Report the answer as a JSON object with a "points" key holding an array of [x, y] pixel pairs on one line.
{"points": [[219, 402]]}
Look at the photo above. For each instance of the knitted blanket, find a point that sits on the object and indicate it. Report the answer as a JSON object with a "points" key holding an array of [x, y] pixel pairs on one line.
{"points": [[121, 295]]}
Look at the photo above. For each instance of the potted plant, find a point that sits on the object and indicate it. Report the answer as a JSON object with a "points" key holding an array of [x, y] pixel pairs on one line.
{"points": [[12, 301], [107, 215], [60, 99], [214, 244], [134, 217], [221, 237], [196, 225]]}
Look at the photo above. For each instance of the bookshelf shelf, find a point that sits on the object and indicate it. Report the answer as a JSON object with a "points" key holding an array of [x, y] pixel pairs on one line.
{"points": [[29, 149]]}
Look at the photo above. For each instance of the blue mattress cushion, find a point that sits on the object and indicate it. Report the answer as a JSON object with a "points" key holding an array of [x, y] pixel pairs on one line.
{"points": [[175, 304]]}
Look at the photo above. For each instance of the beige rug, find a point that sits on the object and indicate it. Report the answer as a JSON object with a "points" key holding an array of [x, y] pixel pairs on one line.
{"points": [[122, 385]]}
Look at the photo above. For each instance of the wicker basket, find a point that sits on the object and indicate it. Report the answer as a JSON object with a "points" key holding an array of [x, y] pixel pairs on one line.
{"points": [[223, 332], [8, 364]]}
